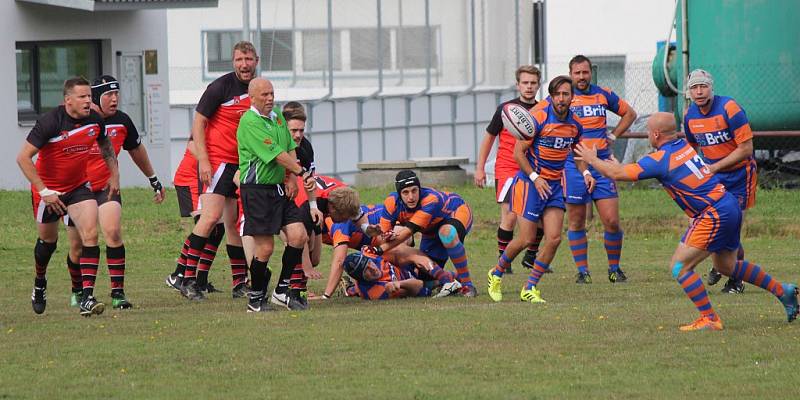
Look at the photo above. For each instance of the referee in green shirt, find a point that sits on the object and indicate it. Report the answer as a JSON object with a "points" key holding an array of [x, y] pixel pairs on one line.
{"points": [[267, 169]]}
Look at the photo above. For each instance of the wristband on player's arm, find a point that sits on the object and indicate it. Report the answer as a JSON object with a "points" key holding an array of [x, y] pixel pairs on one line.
{"points": [[533, 176], [586, 172], [313, 204], [155, 184]]}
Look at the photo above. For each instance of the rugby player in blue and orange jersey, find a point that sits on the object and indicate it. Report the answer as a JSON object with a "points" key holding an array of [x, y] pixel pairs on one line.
{"points": [[395, 275], [717, 127], [715, 212], [537, 197], [443, 218], [589, 106]]}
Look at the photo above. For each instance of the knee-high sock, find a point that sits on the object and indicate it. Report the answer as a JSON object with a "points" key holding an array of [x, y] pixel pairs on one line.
{"points": [[75, 274], [180, 267], [536, 274], [579, 248], [90, 258], [458, 255], [502, 263], [42, 252], [115, 258], [209, 253], [260, 274], [292, 257], [613, 244], [503, 238], [693, 287], [752, 273], [238, 264], [441, 275], [196, 244]]}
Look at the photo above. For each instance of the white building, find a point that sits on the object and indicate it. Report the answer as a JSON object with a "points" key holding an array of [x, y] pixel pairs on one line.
{"points": [[47, 41]]}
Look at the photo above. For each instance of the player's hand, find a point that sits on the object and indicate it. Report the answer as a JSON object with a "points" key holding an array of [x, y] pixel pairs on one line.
{"points": [[388, 236], [392, 287], [158, 188], [590, 182], [543, 188], [480, 177], [316, 216], [374, 250], [53, 203], [311, 273], [291, 187], [113, 186], [204, 172], [374, 230], [585, 153], [309, 183]]}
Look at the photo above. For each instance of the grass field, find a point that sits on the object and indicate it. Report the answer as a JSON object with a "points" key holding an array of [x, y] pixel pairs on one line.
{"points": [[593, 341]]}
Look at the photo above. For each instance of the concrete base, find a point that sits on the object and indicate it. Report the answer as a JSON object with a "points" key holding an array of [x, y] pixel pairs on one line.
{"points": [[434, 171]]}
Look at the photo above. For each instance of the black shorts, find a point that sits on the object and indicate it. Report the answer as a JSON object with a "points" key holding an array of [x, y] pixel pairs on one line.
{"points": [[102, 198], [222, 180], [187, 200], [44, 215], [308, 221], [267, 210]]}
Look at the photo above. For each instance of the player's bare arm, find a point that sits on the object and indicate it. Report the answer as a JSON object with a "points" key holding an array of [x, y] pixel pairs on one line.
{"points": [[609, 168], [483, 154], [110, 157], [199, 124], [624, 124], [402, 234], [742, 152]]}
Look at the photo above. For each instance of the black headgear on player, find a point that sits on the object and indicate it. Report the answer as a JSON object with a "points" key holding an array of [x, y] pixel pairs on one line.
{"points": [[101, 85], [406, 178], [355, 264]]}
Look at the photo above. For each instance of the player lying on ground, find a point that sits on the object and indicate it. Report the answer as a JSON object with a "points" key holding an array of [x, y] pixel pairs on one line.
{"points": [[716, 218]]}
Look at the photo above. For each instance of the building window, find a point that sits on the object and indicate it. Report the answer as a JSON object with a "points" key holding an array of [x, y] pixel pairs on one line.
{"points": [[219, 50], [412, 51], [42, 68], [277, 50], [315, 50], [364, 48]]}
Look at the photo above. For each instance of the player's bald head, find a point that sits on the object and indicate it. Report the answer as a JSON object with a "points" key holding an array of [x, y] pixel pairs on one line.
{"points": [[661, 128], [262, 95]]}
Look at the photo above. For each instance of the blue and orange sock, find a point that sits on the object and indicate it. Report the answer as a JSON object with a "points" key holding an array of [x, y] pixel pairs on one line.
{"points": [[502, 263], [458, 256], [693, 287], [536, 274], [752, 273], [579, 246], [613, 244]]}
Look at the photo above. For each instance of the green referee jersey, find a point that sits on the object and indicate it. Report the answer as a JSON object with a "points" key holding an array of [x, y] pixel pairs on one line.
{"points": [[261, 139]]}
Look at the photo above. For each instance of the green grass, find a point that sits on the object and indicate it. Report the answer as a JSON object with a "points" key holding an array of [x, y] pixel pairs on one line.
{"points": [[597, 341]]}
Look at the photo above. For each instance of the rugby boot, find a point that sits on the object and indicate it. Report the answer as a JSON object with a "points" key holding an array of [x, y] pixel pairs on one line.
{"points": [[617, 276], [532, 295], [713, 277], [583, 278], [495, 286], [90, 306], [789, 301], [39, 295], [703, 323], [119, 301], [733, 286]]}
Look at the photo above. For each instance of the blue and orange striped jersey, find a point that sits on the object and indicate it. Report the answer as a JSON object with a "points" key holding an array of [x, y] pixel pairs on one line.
{"points": [[552, 142], [349, 232], [682, 173], [719, 132], [432, 209], [375, 290], [589, 108]]}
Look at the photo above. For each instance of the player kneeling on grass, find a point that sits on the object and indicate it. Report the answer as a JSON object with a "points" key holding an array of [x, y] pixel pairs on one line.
{"points": [[396, 275], [716, 218]]}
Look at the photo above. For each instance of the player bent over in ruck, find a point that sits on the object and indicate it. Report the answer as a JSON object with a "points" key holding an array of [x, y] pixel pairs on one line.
{"points": [[266, 152]]}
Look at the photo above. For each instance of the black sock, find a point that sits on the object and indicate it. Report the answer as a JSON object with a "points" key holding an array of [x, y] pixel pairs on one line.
{"points": [[259, 275], [291, 257]]}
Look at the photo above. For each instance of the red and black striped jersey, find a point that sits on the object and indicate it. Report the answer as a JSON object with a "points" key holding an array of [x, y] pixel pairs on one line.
{"points": [[64, 144], [123, 135], [223, 103]]}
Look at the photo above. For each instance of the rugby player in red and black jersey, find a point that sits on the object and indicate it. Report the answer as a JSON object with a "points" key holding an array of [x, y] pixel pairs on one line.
{"points": [[214, 133], [505, 167], [63, 138], [123, 134]]}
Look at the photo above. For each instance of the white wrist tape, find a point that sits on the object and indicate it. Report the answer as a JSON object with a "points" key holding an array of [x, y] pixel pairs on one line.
{"points": [[586, 172], [364, 227], [533, 176], [48, 192], [313, 204], [612, 136]]}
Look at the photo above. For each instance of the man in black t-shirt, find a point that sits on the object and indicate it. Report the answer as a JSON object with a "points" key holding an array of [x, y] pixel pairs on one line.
{"points": [[62, 138]]}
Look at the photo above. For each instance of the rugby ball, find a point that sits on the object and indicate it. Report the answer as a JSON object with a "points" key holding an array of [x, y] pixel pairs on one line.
{"points": [[518, 121]]}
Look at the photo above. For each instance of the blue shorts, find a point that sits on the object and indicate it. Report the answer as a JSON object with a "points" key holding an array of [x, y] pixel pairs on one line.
{"points": [[741, 183], [525, 200], [717, 228], [575, 187], [432, 245]]}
